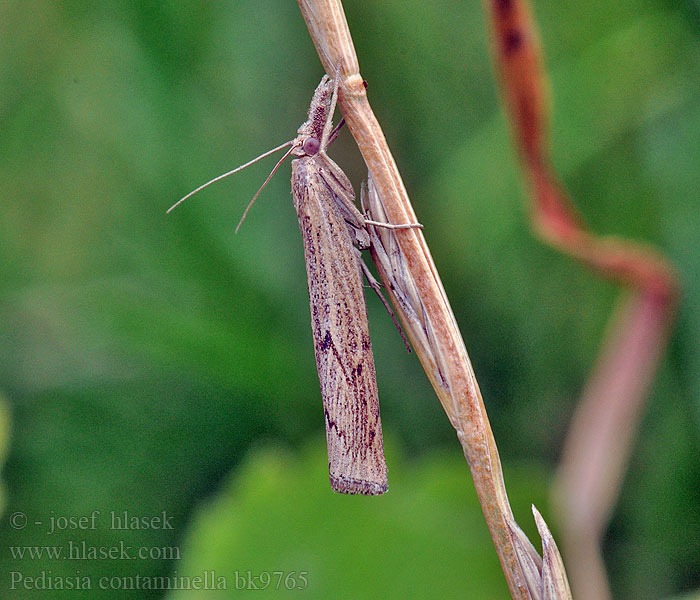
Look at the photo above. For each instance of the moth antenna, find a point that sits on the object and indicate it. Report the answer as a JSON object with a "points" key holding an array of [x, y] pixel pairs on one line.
{"points": [[262, 187], [220, 177]]}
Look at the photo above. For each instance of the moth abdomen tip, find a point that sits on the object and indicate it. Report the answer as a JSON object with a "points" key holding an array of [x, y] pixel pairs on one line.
{"points": [[348, 485]]}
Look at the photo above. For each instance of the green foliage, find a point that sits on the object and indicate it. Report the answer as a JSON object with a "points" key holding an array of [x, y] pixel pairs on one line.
{"points": [[4, 444], [350, 547], [143, 355]]}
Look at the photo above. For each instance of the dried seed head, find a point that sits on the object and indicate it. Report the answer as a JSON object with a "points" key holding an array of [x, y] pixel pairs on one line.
{"points": [[555, 585]]}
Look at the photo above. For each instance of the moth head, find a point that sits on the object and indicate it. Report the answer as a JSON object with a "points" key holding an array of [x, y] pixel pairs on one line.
{"points": [[311, 146], [306, 144]]}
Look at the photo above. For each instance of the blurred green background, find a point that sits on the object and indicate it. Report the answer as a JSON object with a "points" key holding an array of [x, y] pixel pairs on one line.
{"points": [[163, 366]]}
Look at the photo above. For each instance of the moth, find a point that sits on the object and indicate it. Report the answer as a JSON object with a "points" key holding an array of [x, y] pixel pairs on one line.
{"points": [[333, 232], [331, 226]]}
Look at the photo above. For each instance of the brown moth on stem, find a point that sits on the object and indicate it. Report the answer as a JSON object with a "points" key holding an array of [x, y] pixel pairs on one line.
{"points": [[333, 231], [330, 225]]}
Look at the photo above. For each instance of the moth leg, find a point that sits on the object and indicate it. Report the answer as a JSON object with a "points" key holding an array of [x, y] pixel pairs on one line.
{"points": [[392, 226], [334, 99], [369, 190], [335, 132], [376, 286]]}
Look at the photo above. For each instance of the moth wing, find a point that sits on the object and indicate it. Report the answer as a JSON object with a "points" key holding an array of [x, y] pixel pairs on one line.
{"points": [[341, 337]]}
